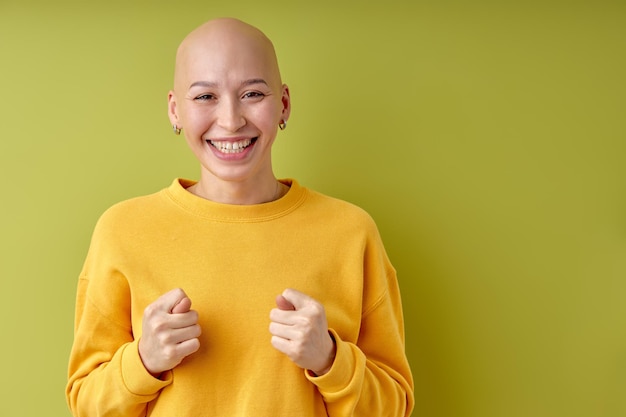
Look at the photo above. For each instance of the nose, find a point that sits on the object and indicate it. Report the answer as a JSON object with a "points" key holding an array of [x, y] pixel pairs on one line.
{"points": [[230, 115]]}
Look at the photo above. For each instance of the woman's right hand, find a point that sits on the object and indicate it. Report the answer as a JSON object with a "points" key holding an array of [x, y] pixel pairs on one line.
{"points": [[170, 332]]}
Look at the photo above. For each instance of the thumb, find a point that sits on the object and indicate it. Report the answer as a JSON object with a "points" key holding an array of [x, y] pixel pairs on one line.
{"points": [[174, 301], [296, 299], [183, 306], [283, 304]]}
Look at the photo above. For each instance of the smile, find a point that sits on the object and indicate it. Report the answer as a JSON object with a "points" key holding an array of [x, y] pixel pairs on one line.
{"points": [[231, 147]]}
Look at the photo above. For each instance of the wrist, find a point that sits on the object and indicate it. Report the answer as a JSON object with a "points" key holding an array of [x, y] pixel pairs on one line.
{"points": [[144, 362], [331, 358]]}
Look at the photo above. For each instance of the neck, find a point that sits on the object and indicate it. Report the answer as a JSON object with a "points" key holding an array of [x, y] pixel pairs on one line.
{"points": [[239, 193]]}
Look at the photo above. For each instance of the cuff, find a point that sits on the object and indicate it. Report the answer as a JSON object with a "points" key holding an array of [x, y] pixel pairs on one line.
{"points": [[135, 376], [342, 371]]}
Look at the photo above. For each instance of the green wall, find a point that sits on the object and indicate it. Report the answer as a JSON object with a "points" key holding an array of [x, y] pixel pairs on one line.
{"points": [[487, 140]]}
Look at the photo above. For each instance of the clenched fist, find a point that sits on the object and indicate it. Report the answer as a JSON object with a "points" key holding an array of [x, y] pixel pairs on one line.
{"points": [[170, 332], [299, 330]]}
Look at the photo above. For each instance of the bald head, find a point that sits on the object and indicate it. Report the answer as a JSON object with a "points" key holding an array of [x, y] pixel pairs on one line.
{"points": [[224, 47]]}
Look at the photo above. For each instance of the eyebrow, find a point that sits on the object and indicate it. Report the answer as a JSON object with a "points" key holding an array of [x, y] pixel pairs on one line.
{"points": [[203, 84], [211, 84], [254, 81]]}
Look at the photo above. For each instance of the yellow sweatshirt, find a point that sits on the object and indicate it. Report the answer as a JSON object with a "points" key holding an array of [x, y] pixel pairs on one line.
{"points": [[232, 261]]}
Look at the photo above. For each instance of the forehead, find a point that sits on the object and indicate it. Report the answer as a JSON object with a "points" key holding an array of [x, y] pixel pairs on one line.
{"points": [[221, 57]]}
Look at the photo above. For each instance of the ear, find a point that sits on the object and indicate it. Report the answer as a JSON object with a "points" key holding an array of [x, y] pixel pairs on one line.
{"points": [[286, 101], [172, 110]]}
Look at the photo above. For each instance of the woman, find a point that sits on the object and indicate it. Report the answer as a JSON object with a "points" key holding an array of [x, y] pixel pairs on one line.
{"points": [[230, 242]]}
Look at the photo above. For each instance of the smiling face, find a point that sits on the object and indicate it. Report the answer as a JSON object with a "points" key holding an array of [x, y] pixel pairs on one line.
{"points": [[229, 99]]}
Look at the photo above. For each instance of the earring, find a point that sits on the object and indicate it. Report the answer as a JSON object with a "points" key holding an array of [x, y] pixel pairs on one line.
{"points": [[282, 124], [176, 129]]}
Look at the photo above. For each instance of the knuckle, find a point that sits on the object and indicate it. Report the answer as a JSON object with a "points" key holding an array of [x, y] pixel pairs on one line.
{"points": [[194, 315], [159, 324], [317, 309], [169, 353], [149, 311], [302, 335], [305, 322], [163, 338], [298, 352], [276, 343], [195, 345]]}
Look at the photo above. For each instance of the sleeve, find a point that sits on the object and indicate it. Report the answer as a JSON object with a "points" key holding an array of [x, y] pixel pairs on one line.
{"points": [[106, 374], [372, 377]]}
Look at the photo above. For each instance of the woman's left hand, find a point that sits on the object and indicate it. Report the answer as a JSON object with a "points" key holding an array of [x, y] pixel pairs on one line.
{"points": [[300, 330]]}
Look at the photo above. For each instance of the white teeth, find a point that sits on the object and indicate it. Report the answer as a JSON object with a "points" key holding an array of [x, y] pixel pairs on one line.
{"points": [[231, 147]]}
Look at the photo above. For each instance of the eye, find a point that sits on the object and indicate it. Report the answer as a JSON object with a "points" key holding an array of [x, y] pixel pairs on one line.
{"points": [[204, 97], [253, 94]]}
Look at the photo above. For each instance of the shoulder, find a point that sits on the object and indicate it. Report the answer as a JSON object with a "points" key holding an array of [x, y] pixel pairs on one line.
{"points": [[327, 201], [128, 216], [337, 210], [129, 209]]}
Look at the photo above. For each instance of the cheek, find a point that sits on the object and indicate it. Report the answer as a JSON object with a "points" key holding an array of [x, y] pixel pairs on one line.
{"points": [[196, 121], [268, 117]]}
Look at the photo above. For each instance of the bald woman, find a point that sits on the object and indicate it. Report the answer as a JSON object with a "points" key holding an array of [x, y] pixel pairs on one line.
{"points": [[296, 308]]}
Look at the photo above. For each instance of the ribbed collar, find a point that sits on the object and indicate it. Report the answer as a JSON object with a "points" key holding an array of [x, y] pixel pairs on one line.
{"points": [[199, 206]]}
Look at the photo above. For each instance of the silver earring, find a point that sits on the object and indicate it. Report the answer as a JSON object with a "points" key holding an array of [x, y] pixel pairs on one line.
{"points": [[176, 129], [282, 124]]}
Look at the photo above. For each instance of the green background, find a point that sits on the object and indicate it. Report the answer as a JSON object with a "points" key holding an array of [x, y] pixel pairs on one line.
{"points": [[487, 139]]}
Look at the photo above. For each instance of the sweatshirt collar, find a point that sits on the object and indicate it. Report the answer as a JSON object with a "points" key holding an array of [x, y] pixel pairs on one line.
{"points": [[178, 194]]}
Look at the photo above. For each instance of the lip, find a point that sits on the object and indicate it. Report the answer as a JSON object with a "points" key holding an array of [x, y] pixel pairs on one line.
{"points": [[230, 138], [235, 156]]}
